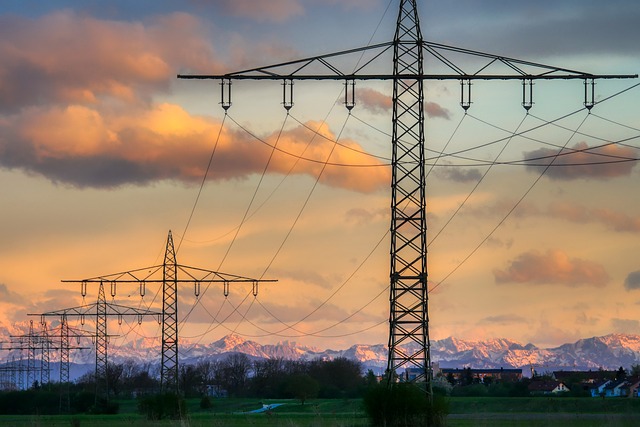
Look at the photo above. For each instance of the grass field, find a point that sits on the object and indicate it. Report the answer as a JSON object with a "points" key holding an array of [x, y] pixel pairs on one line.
{"points": [[464, 412]]}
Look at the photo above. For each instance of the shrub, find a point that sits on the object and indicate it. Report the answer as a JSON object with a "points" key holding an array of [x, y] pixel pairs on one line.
{"points": [[162, 405], [205, 403], [404, 405]]}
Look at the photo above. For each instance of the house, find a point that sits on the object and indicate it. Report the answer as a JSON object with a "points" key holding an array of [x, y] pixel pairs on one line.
{"points": [[584, 377], [547, 387], [597, 390], [214, 390], [618, 388], [615, 388], [479, 375]]}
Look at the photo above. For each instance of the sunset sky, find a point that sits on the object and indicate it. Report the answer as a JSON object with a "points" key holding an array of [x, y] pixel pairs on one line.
{"points": [[103, 151]]}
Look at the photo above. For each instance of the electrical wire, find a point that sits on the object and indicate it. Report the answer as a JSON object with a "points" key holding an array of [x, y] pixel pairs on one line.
{"points": [[502, 221]]}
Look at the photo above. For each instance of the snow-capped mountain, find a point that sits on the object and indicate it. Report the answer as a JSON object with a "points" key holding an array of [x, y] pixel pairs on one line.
{"points": [[608, 352]]}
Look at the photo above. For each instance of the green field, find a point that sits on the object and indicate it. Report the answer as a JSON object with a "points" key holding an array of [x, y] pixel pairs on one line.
{"points": [[467, 412]]}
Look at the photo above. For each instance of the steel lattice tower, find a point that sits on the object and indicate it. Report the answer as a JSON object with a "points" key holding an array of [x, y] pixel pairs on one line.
{"points": [[165, 274], [102, 382], [409, 345], [169, 362], [408, 315]]}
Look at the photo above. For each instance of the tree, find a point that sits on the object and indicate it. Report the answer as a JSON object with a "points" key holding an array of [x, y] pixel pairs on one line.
{"points": [[191, 380], [234, 373], [621, 374], [268, 377], [114, 377], [338, 377], [302, 387]]}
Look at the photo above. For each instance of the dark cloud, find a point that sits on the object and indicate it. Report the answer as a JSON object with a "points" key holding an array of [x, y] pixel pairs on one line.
{"points": [[547, 28], [582, 162], [459, 174], [552, 267], [632, 281]]}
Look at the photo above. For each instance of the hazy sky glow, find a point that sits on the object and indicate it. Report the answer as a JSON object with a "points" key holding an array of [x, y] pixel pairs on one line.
{"points": [[103, 150]]}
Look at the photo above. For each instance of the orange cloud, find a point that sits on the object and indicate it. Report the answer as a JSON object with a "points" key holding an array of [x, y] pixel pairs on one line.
{"points": [[76, 107], [83, 147], [552, 267], [580, 161]]}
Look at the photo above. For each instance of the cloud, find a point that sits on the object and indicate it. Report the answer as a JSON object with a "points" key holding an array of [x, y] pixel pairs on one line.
{"points": [[85, 147], [374, 101], [459, 174], [67, 58], [581, 161], [363, 216], [505, 319], [308, 277], [561, 29], [433, 109], [76, 106], [262, 11], [10, 297], [580, 214], [552, 267], [377, 102], [625, 326], [632, 281]]}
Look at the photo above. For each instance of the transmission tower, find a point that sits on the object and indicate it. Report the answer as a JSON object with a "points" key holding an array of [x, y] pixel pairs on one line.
{"points": [[409, 344], [168, 275], [101, 310]]}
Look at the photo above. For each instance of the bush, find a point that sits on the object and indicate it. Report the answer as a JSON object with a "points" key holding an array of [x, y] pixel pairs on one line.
{"points": [[104, 406], [163, 405], [205, 403], [404, 405]]}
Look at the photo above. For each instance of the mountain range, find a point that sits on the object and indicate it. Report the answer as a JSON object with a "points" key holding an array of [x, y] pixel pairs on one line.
{"points": [[606, 352]]}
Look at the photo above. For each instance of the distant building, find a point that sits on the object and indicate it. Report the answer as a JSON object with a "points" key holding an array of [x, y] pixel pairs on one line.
{"points": [[480, 375], [597, 390], [617, 388], [586, 377], [547, 387]]}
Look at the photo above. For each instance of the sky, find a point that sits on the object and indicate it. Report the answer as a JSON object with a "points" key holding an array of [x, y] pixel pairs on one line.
{"points": [[103, 150]]}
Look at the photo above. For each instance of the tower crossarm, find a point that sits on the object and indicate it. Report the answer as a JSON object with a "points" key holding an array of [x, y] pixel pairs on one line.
{"points": [[91, 310], [337, 66]]}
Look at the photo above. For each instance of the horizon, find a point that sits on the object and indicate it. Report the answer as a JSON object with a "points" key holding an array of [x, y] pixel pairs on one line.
{"points": [[104, 151]]}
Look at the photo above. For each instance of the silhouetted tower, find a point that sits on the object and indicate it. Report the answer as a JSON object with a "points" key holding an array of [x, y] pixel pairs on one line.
{"points": [[408, 315], [169, 362], [102, 383], [409, 345], [102, 310], [165, 274], [45, 373]]}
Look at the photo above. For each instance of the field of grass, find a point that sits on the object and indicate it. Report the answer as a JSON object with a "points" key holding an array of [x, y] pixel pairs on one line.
{"points": [[464, 412]]}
